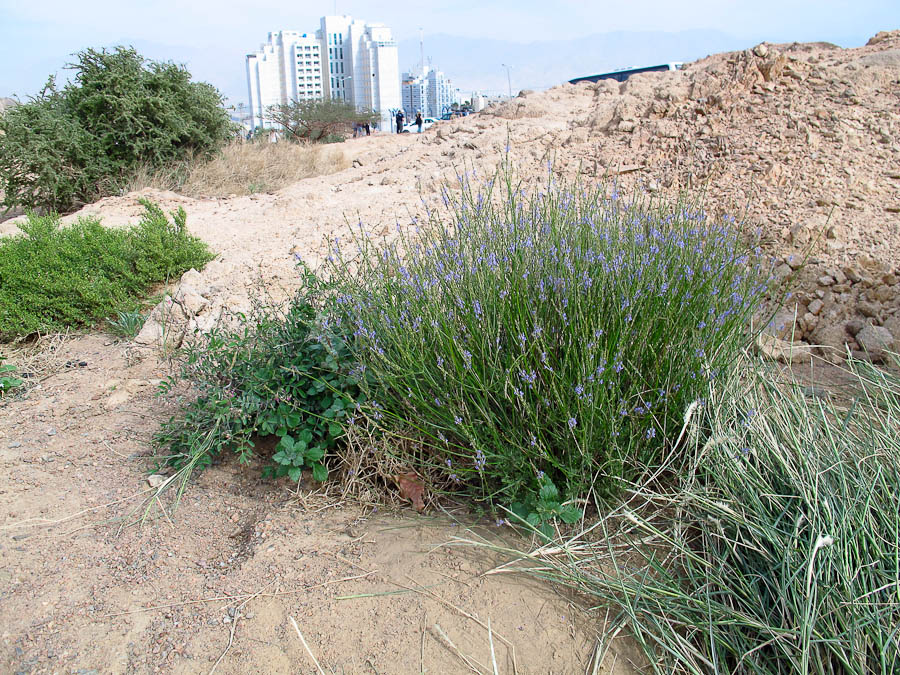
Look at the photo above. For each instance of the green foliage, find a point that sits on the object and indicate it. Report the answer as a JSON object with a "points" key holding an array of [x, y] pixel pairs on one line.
{"points": [[118, 114], [53, 278], [8, 380], [283, 375], [775, 545], [323, 121], [561, 332], [127, 324], [541, 508]]}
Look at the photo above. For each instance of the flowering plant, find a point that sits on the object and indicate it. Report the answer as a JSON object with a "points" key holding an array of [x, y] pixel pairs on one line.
{"points": [[560, 331]]}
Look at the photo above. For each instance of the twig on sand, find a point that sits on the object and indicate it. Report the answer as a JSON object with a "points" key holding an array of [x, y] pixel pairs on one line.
{"points": [[423, 589], [491, 641], [306, 646], [236, 597], [469, 661], [29, 522], [234, 623]]}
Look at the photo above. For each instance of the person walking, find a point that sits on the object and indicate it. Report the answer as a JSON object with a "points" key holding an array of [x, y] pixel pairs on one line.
{"points": [[419, 121], [399, 121]]}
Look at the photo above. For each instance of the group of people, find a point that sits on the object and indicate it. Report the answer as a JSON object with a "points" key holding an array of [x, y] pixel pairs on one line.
{"points": [[362, 128], [419, 121]]}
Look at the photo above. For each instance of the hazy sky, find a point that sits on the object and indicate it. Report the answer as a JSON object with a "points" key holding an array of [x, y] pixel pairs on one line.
{"points": [[38, 36]]}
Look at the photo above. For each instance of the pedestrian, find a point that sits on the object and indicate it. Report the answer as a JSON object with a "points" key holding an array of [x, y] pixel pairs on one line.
{"points": [[419, 121], [368, 129], [399, 121]]}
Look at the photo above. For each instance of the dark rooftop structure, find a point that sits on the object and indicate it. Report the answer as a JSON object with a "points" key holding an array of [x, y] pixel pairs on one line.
{"points": [[625, 73]]}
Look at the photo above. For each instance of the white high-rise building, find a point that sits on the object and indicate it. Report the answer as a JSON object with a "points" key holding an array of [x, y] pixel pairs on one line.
{"points": [[430, 93], [289, 67], [347, 59]]}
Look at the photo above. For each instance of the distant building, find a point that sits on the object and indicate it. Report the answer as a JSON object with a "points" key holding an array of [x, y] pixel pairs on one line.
{"points": [[625, 73], [346, 59], [430, 93], [288, 67]]}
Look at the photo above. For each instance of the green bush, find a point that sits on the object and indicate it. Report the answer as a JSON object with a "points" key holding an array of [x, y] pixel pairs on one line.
{"points": [[53, 278], [120, 113], [285, 375], [557, 334], [775, 546]]}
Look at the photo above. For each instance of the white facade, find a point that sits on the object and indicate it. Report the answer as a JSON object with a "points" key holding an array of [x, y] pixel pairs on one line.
{"points": [[430, 93], [288, 67], [346, 59], [363, 65]]}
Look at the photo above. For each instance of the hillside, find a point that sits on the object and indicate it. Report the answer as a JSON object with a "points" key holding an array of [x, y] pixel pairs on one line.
{"points": [[801, 141]]}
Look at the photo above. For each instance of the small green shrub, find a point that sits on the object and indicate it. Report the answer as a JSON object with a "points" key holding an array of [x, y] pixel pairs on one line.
{"points": [[119, 114], [8, 379], [53, 278], [285, 375], [558, 333], [127, 324]]}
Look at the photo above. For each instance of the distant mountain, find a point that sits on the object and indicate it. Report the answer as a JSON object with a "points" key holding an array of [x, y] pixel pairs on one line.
{"points": [[475, 64]]}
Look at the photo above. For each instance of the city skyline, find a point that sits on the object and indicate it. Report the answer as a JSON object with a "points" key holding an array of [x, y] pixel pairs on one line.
{"points": [[213, 39]]}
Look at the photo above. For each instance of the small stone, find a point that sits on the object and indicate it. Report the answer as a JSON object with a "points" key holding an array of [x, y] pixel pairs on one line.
{"points": [[868, 309], [783, 270], [761, 50], [51, 431], [853, 326], [852, 274], [783, 350], [826, 280], [156, 480], [14, 444], [816, 306], [875, 341]]}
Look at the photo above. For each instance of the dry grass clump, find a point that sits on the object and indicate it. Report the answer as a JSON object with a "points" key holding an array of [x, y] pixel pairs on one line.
{"points": [[244, 168]]}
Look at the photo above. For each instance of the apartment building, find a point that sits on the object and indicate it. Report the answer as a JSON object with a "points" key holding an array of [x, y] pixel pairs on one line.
{"points": [[345, 59], [430, 93]]}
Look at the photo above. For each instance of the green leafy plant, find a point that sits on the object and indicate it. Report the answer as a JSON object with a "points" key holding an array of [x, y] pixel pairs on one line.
{"points": [[293, 454], [541, 509], [127, 324], [53, 278], [286, 375], [8, 380], [120, 113]]}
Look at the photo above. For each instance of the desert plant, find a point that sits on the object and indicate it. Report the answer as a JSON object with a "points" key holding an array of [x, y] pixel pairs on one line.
{"points": [[776, 546], [8, 379], [53, 278], [559, 332], [127, 324], [68, 147], [312, 120], [283, 374]]}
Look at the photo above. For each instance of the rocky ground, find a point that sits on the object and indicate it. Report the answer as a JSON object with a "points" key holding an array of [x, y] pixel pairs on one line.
{"points": [[801, 141]]}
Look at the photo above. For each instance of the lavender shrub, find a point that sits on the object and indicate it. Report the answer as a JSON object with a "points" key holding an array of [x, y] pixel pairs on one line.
{"points": [[557, 333]]}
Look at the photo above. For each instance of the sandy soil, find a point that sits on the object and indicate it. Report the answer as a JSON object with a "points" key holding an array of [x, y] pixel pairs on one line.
{"points": [[802, 133]]}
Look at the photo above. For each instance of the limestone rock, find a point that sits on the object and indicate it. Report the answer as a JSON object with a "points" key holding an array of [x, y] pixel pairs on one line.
{"points": [[876, 341], [783, 350]]}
